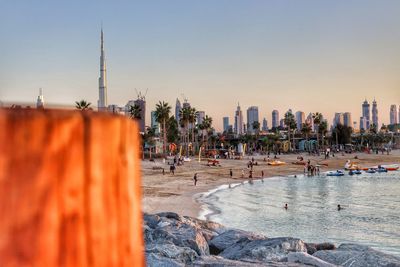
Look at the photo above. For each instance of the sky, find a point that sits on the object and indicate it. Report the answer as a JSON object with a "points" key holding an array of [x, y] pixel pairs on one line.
{"points": [[308, 55]]}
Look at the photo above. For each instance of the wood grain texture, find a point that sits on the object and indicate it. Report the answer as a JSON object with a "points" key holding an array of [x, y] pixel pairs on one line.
{"points": [[69, 189]]}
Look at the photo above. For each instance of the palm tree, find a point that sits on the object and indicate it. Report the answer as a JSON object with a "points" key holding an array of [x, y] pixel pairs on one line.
{"points": [[322, 129], [317, 119], [206, 125], [290, 122], [162, 115], [82, 105], [192, 120], [184, 117], [306, 129], [134, 112]]}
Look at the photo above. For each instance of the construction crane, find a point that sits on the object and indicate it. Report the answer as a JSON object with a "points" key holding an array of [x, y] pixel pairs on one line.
{"points": [[140, 95]]}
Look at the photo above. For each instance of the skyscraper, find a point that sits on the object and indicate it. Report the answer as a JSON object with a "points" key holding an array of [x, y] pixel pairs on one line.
{"points": [[347, 120], [40, 99], [252, 116], [275, 118], [338, 119], [300, 119], [363, 123], [393, 114], [178, 108], [200, 117], [141, 102], [265, 125], [102, 102], [366, 114], [375, 114], [310, 121], [226, 123], [238, 121], [282, 123]]}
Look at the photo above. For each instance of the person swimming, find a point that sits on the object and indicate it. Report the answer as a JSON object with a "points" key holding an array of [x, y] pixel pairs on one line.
{"points": [[286, 206], [339, 207]]}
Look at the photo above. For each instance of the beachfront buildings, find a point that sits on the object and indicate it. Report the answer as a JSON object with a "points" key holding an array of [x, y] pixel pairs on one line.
{"points": [[393, 114], [238, 121], [225, 122], [300, 119], [178, 108], [375, 113], [365, 114], [347, 121], [200, 117], [275, 119], [310, 121], [252, 116], [102, 102], [264, 125]]}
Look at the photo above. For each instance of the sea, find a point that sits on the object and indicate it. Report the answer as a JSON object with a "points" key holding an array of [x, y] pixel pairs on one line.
{"points": [[370, 213]]}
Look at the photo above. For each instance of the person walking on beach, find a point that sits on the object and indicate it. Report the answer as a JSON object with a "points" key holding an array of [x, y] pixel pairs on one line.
{"points": [[195, 179], [262, 174], [230, 173]]}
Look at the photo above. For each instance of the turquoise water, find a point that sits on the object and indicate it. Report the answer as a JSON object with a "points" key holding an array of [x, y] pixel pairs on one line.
{"points": [[371, 213]]}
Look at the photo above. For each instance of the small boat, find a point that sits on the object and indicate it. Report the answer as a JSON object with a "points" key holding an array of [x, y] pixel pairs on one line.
{"points": [[335, 173], [381, 169], [352, 172], [393, 167], [370, 170], [276, 163]]}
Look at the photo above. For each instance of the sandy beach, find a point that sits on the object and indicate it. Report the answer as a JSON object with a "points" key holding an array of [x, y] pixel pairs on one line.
{"points": [[177, 192]]}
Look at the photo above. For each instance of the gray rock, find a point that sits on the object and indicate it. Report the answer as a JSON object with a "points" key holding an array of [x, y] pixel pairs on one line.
{"points": [[151, 220], [314, 247], [274, 249], [302, 257], [216, 261], [183, 255], [228, 238], [154, 260], [357, 256], [170, 215], [208, 225]]}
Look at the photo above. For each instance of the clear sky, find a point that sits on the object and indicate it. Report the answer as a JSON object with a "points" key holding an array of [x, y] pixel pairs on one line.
{"points": [[309, 55]]}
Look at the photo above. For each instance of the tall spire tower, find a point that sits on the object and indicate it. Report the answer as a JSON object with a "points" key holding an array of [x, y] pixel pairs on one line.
{"points": [[102, 102]]}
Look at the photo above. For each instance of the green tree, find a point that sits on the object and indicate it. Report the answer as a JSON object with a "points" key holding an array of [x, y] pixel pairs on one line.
{"points": [[162, 115], [206, 126], [134, 112], [82, 105], [342, 134], [184, 115], [317, 119], [322, 130], [172, 130], [290, 123], [306, 130]]}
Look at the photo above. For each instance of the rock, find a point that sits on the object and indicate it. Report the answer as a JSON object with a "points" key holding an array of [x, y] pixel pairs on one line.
{"points": [[183, 255], [314, 247], [154, 260], [357, 256], [208, 225], [216, 261], [151, 220], [228, 238], [170, 215], [302, 257], [274, 249]]}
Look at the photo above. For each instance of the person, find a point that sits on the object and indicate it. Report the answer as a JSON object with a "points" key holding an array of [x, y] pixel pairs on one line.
{"points": [[262, 173], [195, 179], [163, 171], [230, 173], [286, 206], [339, 207], [242, 173]]}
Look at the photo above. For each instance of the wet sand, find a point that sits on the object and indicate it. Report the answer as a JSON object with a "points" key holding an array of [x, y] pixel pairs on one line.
{"points": [[177, 192]]}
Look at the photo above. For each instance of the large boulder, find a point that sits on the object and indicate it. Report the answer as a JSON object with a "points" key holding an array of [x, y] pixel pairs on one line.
{"points": [[151, 220], [230, 237], [314, 247], [273, 249], [155, 260], [183, 255], [304, 258], [216, 261], [357, 256]]}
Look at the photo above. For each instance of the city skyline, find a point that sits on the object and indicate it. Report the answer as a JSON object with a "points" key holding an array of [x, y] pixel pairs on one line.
{"points": [[254, 63]]}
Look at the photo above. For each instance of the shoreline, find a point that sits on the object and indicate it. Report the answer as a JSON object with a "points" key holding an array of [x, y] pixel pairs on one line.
{"points": [[177, 193]]}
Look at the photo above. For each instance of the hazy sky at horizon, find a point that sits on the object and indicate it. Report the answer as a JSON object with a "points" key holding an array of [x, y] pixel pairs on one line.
{"points": [[306, 55]]}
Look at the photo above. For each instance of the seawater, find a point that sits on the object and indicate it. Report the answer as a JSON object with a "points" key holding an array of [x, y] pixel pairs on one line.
{"points": [[370, 214]]}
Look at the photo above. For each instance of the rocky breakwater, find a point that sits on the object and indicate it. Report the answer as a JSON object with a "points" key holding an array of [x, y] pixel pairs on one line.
{"points": [[174, 240]]}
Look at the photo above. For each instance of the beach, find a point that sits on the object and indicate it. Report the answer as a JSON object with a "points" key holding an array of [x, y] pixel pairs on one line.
{"points": [[177, 192]]}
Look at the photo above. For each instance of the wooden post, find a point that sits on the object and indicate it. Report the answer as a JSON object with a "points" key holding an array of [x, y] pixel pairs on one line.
{"points": [[69, 189]]}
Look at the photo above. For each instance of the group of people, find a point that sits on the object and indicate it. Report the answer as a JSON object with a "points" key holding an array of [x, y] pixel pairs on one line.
{"points": [[310, 169]]}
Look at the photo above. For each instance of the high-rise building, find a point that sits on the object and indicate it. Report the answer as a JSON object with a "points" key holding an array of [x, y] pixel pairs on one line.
{"points": [[265, 125], [178, 108], [40, 99], [275, 118], [141, 102], [363, 123], [186, 104], [347, 121], [238, 121], [393, 114], [282, 123], [200, 117], [102, 102], [154, 123], [310, 121], [366, 114], [252, 116], [338, 119], [226, 123], [300, 119], [375, 114]]}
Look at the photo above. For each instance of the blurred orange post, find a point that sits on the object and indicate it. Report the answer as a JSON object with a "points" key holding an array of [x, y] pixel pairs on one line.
{"points": [[69, 189]]}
